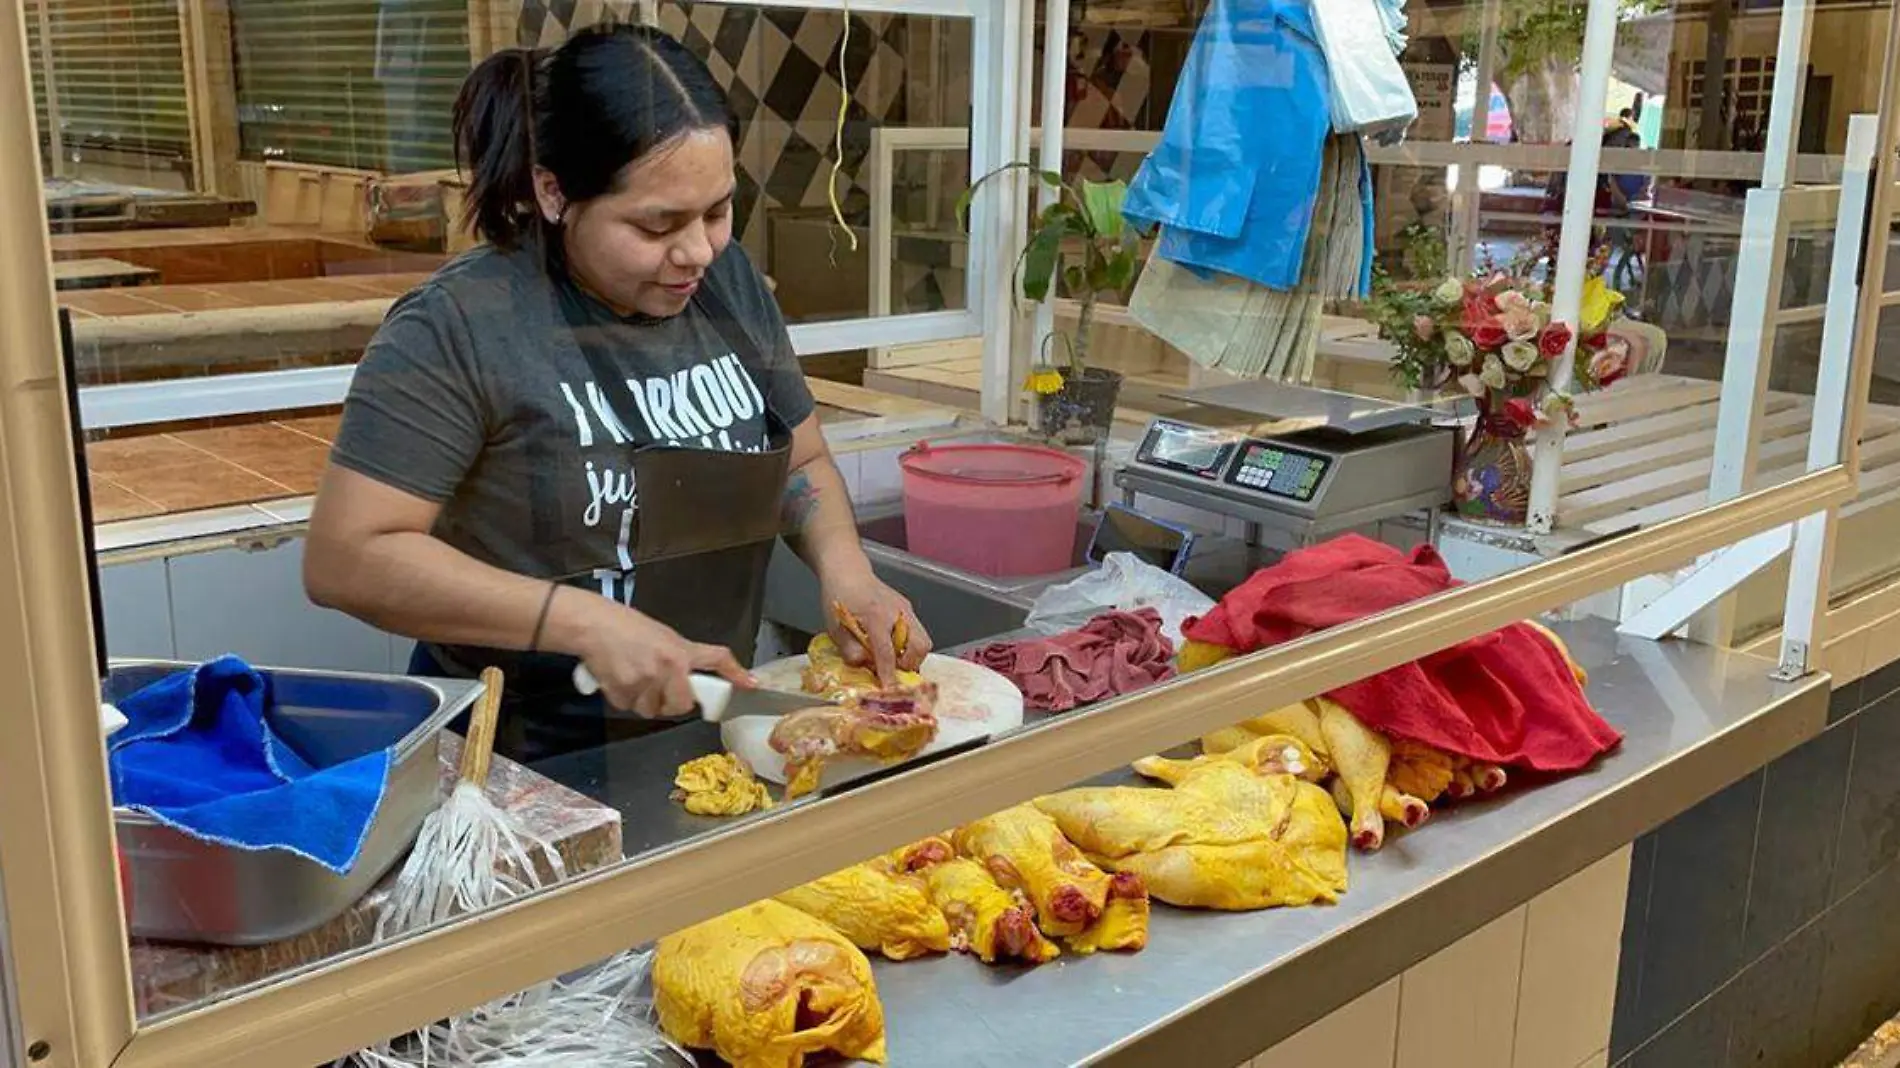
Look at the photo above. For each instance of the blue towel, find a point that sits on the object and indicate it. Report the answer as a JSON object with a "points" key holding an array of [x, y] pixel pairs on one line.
{"points": [[198, 755]]}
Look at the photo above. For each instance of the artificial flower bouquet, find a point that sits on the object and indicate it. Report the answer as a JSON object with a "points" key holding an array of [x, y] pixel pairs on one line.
{"points": [[1492, 336]]}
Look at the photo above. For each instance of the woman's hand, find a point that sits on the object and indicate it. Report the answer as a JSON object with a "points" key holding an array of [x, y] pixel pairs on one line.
{"points": [[877, 608], [642, 665]]}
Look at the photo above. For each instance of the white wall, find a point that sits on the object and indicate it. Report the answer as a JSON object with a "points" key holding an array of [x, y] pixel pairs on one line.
{"points": [[1532, 989]]}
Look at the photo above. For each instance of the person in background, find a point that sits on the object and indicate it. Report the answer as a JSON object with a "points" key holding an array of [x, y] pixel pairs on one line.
{"points": [[579, 441]]}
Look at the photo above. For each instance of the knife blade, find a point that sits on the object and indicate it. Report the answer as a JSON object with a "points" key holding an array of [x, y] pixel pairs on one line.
{"points": [[720, 700]]}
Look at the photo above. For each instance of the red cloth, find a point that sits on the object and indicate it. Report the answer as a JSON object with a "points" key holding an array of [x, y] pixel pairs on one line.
{"points": [[1507, 697], [1113, 654]]}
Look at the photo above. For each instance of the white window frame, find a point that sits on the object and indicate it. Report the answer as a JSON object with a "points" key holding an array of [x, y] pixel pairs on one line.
{"points": [[996, 103]]}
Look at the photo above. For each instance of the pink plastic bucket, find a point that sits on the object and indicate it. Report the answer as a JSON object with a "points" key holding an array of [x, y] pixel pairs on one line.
{"points": [[997, 510]]}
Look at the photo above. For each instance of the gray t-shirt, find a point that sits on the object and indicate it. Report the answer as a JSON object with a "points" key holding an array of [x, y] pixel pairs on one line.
{"points": [[475, 394]]}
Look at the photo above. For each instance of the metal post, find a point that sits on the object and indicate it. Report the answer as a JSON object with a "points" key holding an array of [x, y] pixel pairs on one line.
{"points": [[1804, 624], [1573, 249], [1055, 112], [1760, 262], [55, 136], [999, 81], [1469, 202]]}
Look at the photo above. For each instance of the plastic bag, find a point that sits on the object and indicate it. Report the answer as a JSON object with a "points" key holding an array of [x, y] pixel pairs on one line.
{"points": [[1126, 582], [1369, 92]]}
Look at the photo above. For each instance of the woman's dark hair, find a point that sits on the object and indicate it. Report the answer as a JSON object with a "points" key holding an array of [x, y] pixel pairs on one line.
{"points": [[584, 111]]}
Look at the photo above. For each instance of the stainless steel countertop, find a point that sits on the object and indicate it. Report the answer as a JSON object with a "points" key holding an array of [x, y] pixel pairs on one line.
{"points": [[1233, 984]]}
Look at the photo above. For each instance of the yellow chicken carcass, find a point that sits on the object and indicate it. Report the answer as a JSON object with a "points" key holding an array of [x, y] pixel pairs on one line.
{"points": [[1295, 720], [1270, 754], [877, 908], [984, 918], [1420, 771], [1196, 656], [827, 673], [719, 784], [1363, 756], [766, 986], [1022, 848], [1226, 837], [1124, 922]]}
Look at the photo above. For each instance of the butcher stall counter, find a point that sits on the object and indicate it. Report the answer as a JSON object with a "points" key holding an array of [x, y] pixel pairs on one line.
{"points": [[1230, 985]]}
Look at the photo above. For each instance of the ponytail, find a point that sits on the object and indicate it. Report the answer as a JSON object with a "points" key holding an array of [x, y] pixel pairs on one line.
{"points": [[493, 123], [585, 111]]}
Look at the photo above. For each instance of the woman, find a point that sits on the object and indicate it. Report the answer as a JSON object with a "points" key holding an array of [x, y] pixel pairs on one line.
{"points": [[581, 440]]}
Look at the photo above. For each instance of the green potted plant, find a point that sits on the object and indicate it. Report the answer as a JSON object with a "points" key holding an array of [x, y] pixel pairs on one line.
{"points": [[1082, 240]]}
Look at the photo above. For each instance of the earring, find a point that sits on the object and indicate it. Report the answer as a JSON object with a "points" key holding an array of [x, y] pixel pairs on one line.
{"points": [[558, 216]]}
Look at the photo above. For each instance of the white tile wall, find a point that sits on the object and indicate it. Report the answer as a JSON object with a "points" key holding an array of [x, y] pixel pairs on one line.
{"points": [[1532, 989], [879, 478], [1457, 1009], [1363, 1034], [1572, 944], [136, 600], [252, 603]]}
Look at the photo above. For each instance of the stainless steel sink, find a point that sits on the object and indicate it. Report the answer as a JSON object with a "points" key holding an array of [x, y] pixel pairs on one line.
{"points": [[958, 606]]}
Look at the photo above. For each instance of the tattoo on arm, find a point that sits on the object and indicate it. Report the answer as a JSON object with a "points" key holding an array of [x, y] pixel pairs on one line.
{"points": [[800, 504]]}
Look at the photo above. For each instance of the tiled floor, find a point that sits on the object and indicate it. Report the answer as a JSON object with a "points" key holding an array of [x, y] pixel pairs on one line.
{"points": [[155, 474]]}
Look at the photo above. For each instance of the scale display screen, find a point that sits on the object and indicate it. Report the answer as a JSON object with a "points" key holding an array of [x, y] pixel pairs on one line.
{"points": [[1280, 472], [1186, 449]]}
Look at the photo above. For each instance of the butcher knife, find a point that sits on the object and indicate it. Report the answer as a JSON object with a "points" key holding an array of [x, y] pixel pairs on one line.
{"points": [[720, 700]]}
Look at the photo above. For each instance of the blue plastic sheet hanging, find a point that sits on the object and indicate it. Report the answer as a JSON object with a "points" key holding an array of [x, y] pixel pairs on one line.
{"points": [[1235, 177]]}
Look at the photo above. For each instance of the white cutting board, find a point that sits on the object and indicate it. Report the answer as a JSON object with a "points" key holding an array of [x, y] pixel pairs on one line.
{"points": [[972, 701]]}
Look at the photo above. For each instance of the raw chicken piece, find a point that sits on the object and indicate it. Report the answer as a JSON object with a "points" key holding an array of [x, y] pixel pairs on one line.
{"points": [[719, 784], [1272, 754], [984, 918], [876, 908], [1124, 922], [1226, 837], [1420, 770], [1363, 756], [1022, 848], [887, 725], [765, 986], [919, 855], [1198, 656], [827, 674], [1298, 720]]}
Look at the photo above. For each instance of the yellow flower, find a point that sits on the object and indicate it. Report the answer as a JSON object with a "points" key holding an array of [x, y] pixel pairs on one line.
{"points": [[1044, 381], [1599, 302]]}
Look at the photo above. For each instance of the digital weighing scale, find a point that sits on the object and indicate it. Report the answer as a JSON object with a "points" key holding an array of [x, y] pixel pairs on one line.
{"points": [[1315, 463]]}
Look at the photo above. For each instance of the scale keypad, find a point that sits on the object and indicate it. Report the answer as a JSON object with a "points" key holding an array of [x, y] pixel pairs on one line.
{"points": [[1280, 472]]}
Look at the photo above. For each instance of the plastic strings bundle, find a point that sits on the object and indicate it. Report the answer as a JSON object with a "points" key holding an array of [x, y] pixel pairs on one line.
{"points": [[471, 855]]}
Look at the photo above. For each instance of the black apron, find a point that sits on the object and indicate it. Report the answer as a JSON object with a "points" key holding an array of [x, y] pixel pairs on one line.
{"points": [[704, 533]]}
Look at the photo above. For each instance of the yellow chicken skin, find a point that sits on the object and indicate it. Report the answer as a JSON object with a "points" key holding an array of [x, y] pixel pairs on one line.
{"points": [[1226, 837], [1296, 720], [1022, 848], [1271, 754], [1196, 656], [984, 918], [719, 785], [1124, 923], [1363, 757], [765, 987], [877, 909]]}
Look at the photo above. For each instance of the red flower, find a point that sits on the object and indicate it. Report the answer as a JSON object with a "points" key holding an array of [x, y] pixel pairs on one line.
{"points": [[1553, 340], [1489, 335], [1520, 411]]}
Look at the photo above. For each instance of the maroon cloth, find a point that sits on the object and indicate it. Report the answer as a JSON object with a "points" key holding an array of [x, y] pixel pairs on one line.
{"points": [[1507, 697], [1113, 654]]}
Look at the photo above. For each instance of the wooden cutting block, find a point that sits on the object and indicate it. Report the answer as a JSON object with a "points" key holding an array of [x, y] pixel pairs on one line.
{"points": [[583, 831]]}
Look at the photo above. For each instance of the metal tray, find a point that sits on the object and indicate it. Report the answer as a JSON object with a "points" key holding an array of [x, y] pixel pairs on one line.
{"points": [[187, 890]]}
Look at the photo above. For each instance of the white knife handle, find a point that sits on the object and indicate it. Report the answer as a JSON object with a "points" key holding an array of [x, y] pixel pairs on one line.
{"points": [[711, 692]]}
